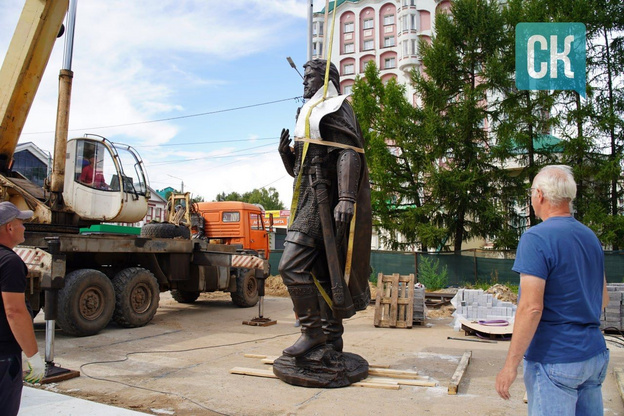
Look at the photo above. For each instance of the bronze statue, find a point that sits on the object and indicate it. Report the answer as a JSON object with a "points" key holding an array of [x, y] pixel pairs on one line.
{"points": [[326, 259]]}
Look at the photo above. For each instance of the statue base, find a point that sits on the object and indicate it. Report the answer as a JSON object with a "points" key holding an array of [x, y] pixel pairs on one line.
{"points": [[322, 367]]}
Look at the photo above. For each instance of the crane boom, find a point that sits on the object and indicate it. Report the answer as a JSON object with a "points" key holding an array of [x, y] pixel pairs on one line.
{"points": [[23, 67]]}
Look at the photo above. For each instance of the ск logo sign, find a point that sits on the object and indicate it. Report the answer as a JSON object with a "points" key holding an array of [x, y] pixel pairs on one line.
{"points": [[550, 56]]}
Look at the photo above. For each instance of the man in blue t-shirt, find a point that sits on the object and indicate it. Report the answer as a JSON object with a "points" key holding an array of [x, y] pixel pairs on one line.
{"points": [[16, 327], [562, 292]]}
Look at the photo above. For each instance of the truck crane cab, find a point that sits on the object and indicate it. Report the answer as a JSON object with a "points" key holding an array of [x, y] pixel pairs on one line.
{"points": [[104, 181]]}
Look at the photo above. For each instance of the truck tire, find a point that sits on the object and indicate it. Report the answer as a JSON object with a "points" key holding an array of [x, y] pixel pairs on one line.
{"points": [[86, 302], [183, 296], [136, 297], [246, 294], [165, 230]]}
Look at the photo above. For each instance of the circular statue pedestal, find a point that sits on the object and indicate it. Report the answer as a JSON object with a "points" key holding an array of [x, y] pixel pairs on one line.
{"points": [[321, 367]]}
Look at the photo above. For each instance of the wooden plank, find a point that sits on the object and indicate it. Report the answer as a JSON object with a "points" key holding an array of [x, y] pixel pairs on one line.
{"points": [[459, 372], [485, 329], [383, 372], [402, 382], [409, 314], [394, 296], [254, 356], [378, 305], [253, 372], [377, 385], [619, 378]]}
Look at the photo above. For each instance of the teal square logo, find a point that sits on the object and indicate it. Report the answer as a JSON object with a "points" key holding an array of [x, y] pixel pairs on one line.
{"points": [[550, 56]]}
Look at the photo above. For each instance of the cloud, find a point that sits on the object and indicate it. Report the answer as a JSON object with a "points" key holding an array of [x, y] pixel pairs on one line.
{"points": [[134, 61]]}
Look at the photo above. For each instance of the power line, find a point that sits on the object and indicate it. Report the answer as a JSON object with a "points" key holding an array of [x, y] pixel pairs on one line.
{"points": [[231, 154], [177, 118], [210, 142]]}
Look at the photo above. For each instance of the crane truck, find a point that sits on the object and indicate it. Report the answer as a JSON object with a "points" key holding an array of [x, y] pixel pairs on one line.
{"points": [[83, 271]]}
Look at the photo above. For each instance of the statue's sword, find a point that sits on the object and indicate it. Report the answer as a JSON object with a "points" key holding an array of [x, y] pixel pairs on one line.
{"points": [[320, 186]]}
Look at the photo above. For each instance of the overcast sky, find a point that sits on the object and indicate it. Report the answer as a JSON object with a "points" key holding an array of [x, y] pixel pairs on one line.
{"points": [[143, 60]]}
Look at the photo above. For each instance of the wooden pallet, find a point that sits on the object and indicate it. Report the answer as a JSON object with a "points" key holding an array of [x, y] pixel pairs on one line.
{"points": [[394, 306]]}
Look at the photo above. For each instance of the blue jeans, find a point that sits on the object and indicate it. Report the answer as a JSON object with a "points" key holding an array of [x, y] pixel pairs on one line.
{"points": [[566, 389]]}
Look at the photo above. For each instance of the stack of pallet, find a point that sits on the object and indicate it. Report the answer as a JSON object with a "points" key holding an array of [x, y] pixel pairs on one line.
{"points": [[613, 315], [419, 314]]}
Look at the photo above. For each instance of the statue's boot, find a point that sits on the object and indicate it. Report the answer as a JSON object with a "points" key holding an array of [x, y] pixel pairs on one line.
{"points": [[306, 305], [332, 327]]}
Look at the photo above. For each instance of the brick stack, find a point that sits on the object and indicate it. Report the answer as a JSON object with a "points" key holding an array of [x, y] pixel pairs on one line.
{"points": [[419, 305], [473, 304], [613, 315]]}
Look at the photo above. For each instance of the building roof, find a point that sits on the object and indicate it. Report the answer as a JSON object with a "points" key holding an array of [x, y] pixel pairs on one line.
{"points": [[545, 143], [35, 151], [338, 3]]}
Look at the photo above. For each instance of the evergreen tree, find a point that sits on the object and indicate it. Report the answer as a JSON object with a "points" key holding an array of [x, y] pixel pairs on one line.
{"points": [[396, 160], [461, 67]]}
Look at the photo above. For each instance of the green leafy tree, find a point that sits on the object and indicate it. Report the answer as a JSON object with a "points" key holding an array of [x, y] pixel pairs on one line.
{"points": [[268, 198]]}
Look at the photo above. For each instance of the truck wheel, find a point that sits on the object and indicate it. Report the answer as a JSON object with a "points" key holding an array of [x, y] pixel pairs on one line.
{"points": [[183, 296], [165, 230], [86, 302], [246, 294], [136, 297]]}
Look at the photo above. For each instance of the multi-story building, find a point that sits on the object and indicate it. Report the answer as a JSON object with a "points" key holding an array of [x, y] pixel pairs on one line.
{"points": [[386, 31]]}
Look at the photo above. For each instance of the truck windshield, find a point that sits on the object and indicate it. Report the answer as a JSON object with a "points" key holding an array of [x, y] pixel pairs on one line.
{"points": [[132, 171]]}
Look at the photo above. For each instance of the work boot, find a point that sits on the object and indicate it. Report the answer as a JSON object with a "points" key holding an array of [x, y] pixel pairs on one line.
{"points": [[332, 327], [306, 305]]}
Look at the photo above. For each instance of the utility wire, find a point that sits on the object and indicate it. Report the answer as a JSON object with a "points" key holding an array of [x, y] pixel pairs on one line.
{"points": [[210, 142], [230, 154], [176, 118], [168, 393]]}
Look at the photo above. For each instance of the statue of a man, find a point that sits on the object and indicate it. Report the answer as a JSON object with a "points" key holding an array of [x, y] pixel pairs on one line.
{"points": [[328, 148]]}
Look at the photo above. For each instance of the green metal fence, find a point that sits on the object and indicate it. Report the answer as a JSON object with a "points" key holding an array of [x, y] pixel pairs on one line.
{"points": [[468, 267]]}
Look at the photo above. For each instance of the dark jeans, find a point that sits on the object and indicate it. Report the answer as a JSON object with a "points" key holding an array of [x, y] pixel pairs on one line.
{"points": [[10, 384]]}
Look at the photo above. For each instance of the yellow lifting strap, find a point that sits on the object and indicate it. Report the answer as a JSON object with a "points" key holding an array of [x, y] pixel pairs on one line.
{"points": [[322, 291], [297, 190], [330, 144]]}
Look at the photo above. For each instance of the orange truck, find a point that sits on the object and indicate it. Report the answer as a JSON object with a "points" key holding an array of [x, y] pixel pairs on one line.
{"points": [[235, 223]]}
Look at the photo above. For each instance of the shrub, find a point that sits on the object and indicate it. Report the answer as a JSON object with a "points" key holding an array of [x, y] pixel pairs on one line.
{"points": [[429, 275]]}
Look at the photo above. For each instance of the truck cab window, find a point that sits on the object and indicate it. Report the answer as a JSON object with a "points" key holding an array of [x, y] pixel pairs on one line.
{"points": [[256, 222], [94, 165], [231, 216]]}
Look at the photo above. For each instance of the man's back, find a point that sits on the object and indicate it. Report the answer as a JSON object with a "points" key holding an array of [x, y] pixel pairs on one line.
{"points": [[568, 255]]}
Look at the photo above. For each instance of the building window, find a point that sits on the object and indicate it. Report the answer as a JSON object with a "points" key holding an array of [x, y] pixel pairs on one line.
{"points": [[349, 48], [389, 41], [318, 49], [368, 45], [368, 24], [348, 27], [389, 63], [348, 89], [348, 69], [389, 19], [159, 215]]}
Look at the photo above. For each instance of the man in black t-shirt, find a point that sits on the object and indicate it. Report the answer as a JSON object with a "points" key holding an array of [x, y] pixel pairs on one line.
{"points": [[16, 327]]}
